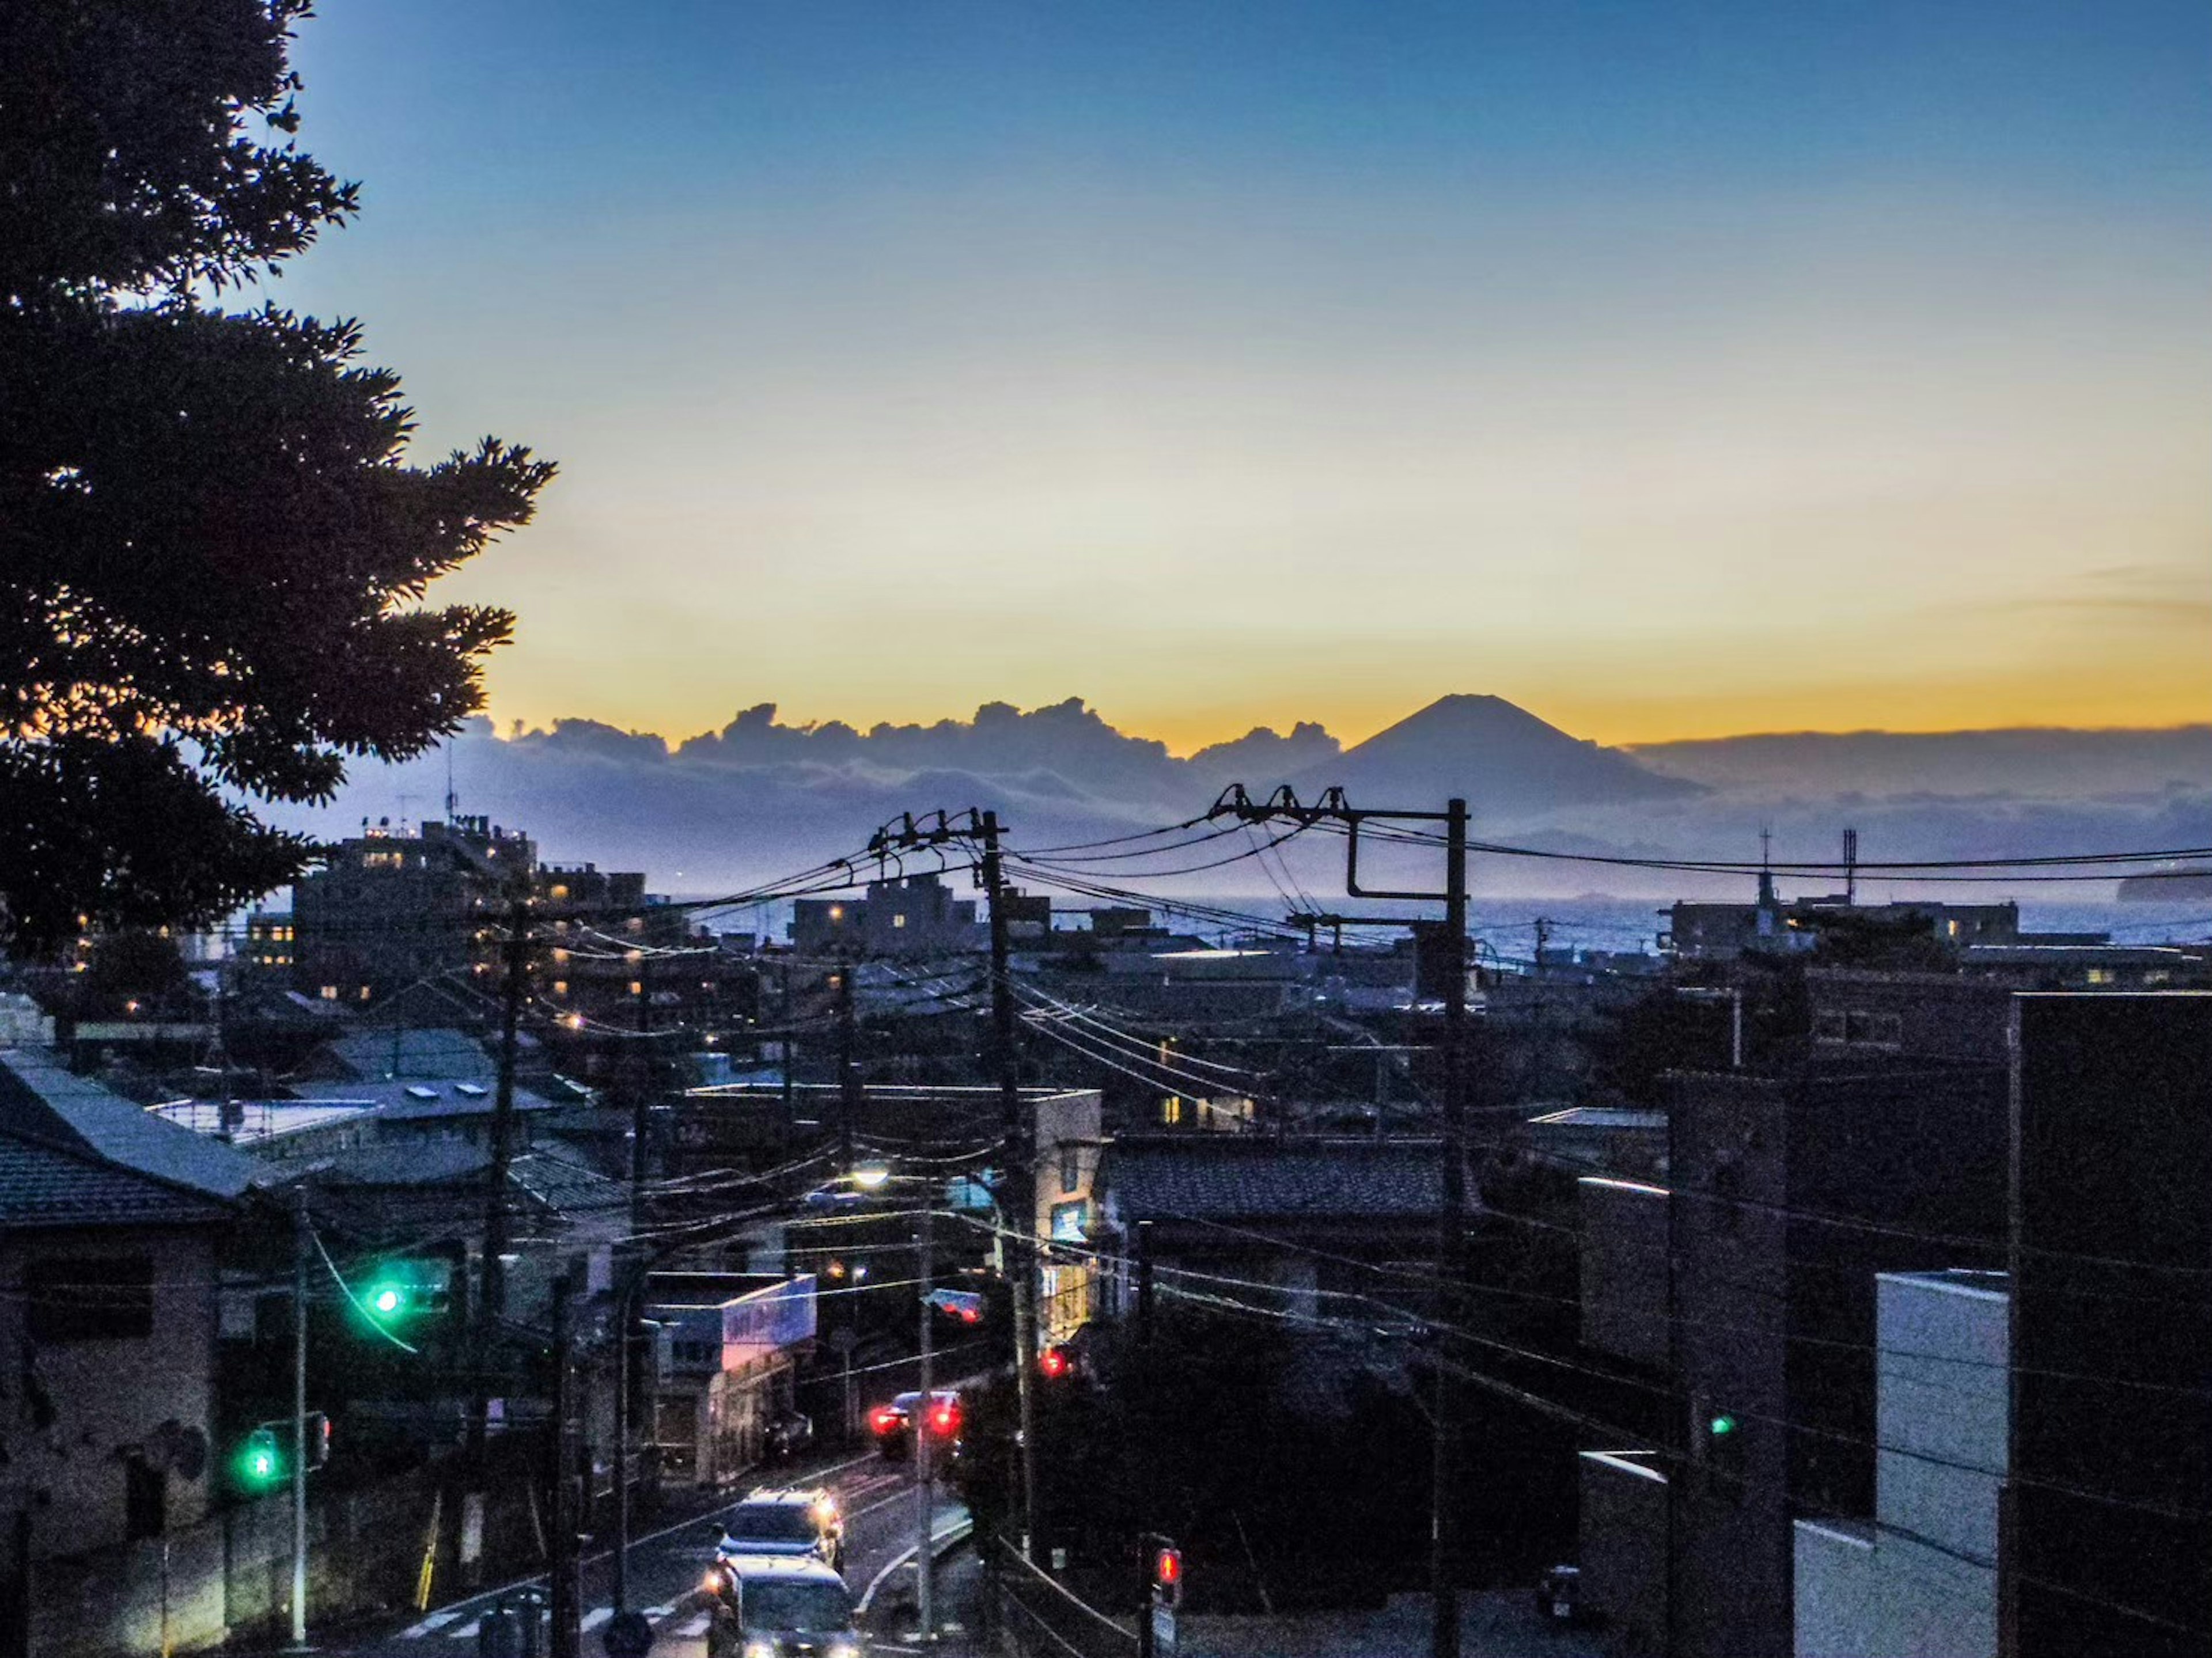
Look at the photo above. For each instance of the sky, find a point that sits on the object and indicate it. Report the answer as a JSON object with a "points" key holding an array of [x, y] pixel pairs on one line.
{"points": [[1670, 370]]}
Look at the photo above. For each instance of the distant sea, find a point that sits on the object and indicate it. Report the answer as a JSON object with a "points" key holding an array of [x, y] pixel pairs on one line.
{"points": [[1598, 921]]}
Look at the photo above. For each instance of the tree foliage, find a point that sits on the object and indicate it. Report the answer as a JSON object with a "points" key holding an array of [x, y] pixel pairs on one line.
{"points": [[214, 557]]}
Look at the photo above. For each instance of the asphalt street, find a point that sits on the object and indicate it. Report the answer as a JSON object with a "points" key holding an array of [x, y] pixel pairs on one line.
{"points": [[666, 1567]]}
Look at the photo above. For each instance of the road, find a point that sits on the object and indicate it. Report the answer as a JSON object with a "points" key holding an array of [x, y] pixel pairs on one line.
{"points": [[665, 1568]]}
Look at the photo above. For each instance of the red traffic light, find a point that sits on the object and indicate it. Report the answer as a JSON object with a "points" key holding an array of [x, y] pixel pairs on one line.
{"points": [[1055, 1362], [1167, 1567]]}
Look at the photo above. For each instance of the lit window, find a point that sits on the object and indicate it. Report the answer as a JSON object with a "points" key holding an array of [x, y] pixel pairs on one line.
{"points": [[364, 994], [633, 957], [559, 894], [898, 920], [637, 986], [560, 955], [836, 912], [330, 993], [1171, 1110], [560, 986]]}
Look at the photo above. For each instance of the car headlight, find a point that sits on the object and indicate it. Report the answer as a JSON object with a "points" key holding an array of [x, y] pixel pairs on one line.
{"points": [[844, 1649], [760, 1649]]}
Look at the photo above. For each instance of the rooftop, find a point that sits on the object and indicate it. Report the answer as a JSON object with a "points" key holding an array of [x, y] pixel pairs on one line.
{"points": [[41, 1099], [1220, 1176], [45, 1185]]}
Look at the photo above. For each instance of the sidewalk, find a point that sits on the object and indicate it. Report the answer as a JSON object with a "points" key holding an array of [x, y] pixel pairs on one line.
{"points": [[1493, 1625]]}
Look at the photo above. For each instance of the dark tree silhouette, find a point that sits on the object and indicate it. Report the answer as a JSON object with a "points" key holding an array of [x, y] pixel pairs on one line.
{"points": [[213, 557]]}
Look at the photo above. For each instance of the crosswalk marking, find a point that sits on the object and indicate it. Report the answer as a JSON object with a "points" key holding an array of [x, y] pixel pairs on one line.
{"points": [[435, 1621], [657, 1613], [595, 1617], [695, 1626], [464, 1631]]}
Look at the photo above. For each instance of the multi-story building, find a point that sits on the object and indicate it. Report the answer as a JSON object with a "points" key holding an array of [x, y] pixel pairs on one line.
{"points": [[730, 1347], [904, 916], [1744, 1286], [1920, 1574], [391, 910]]}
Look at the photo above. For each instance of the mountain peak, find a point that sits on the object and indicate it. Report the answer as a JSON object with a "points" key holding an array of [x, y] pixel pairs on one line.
{"points": [[1503, 759]]}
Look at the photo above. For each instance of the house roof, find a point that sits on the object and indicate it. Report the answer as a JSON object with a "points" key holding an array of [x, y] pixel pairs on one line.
{"points": [[41, 1099], [436, 1054], [49, 1184], [555, 1182], [416, 1163], [1205, 1177]]}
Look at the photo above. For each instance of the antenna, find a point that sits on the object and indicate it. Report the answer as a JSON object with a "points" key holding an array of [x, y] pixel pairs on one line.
{"points": [[1850, 865], [452, 802]]}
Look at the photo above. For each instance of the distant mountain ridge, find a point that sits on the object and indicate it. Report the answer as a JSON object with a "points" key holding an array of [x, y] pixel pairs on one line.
{"points": [[2035, 760], [758, 798]]}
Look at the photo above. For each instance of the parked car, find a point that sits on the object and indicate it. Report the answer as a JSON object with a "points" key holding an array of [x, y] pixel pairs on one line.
{"points": [[893, 1423], [788, 1435], [787, 1523], [1558, 1596], [766, 1606]]}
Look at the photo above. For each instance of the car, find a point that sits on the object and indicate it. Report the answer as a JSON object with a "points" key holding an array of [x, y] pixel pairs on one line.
{"points": [[792, 1523], [778, 1606], [788, 1434], [893, 1423], [1558, 1597]]}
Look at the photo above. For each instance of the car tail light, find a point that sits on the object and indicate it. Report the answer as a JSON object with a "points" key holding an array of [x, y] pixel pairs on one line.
{"points": [[885, 1419], [944, 1419]]}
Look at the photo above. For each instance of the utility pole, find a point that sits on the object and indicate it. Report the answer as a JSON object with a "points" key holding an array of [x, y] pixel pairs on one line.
{"points": [[1451, 1241], [625, 1315], [641, 1106], [303, 1240], [1019, 1202], [502, 1113], [790, 1058], [848, 1074], [1018, 1193], [1451, 1218], [491, 1303], [925, 1414], [1141, 1470], [568, 1609]]}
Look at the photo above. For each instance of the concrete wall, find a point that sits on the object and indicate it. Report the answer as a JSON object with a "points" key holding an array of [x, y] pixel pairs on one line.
{"points": [[1920, 1581], [1624, 1548], [106, 1397], [1624, 1269]]}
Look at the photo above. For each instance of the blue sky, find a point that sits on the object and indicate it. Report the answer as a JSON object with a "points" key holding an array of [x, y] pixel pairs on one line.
{"points": [[1671, 370]]}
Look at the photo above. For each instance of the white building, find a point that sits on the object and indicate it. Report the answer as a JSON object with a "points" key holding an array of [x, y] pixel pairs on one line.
{"points": [[1919, 1579]]}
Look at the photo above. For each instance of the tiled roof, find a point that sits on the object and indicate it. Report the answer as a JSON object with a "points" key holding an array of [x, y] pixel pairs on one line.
{"points": [[409, 1162], [48, 1185], [439, 1054], [1228, 1177], [41, 1099]]}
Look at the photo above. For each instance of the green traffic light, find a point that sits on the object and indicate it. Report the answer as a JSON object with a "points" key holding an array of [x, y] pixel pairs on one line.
{"points": [[1722, 1425], [387, 1300], [259, 1462]]}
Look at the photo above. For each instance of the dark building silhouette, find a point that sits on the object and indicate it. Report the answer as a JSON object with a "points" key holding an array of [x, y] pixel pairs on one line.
{"points": [[2109, 1524]]}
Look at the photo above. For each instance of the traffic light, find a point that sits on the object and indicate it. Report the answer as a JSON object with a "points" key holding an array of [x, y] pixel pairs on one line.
{"points": [[261, 1461], [407, 1288], [1055, 1363], [1167, 1576], [266, 1459], [1722, 1448]]}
